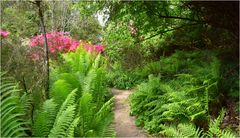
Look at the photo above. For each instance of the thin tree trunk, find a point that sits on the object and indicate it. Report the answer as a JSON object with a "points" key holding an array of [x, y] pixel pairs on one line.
{"points": [[38, 3], [53, 16]]}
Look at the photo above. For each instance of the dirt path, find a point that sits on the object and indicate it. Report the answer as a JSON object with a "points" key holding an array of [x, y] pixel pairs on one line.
{"points": [[123, 122]]}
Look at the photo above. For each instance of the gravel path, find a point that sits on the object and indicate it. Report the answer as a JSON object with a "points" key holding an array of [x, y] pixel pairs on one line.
{"points": [[123, 122]]}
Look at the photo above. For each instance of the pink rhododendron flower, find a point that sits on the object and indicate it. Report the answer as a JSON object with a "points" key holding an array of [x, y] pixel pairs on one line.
{"points": [[92, 48], [57, 42], [61, 42], [99, 48], [4, 33]]}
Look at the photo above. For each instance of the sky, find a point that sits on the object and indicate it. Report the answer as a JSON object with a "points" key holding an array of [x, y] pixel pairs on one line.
{"points": [[102, 18]]}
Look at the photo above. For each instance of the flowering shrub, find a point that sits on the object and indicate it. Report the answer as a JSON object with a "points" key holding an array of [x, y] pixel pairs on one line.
{"points": [[57, 42], [92, 48], [61, 42], [4, 33]]}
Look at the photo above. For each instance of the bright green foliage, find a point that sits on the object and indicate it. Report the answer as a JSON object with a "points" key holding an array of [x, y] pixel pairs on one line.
{"points": [[190, 130], [80, 70], [122, 79], [63, 122], [45, 119], [118, 40], [54, 122], [94, 122], [182, 130], [79, 106], [65, 117], [181, 97], [214, 128], [12, 109]]}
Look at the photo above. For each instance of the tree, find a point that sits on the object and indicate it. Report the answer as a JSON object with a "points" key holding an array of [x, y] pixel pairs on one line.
{"points": [[40, 14]]}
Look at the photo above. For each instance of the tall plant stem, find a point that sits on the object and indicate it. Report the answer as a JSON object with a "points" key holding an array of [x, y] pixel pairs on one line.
{"points": [[40, 14]]}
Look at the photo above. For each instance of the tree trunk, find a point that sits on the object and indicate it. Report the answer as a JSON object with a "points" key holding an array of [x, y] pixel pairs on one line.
{"points": [[38, 3]]}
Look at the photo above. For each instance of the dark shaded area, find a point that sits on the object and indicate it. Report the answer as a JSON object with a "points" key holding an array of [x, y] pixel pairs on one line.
{"points": [[221, 14]]}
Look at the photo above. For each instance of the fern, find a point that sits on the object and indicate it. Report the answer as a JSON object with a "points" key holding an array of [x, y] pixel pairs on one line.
{"points": [[86, 113], [45, 119], [11, 112], [214, 128], [85, 108], [71, 129], [214, 125], [102, 120], [95, 124], [63, 122], [60, 90], [227, 134], [190, 130], [182, 130], [183, 93], [53, 121], [70, 100]]}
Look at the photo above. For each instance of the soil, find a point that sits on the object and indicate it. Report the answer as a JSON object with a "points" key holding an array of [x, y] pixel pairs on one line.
{"points": [[124, 123]]}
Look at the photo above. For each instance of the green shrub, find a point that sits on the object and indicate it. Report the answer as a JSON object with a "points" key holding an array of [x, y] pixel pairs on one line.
{"points": [[174, 97], [79, 104], [122, 79]]}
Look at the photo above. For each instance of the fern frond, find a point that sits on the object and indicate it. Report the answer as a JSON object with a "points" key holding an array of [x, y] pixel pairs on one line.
{"points": [[214, 128], [11, 111], [182, 130], [189, 130], [170, 131], [45, 119], [103, 119], [214, 125], [70, 131], [227, 134], [86, 113], [63, 122], [70, 100], [60, 90]]}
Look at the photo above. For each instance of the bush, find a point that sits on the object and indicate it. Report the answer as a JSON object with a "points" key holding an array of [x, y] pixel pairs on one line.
{"points": [[80, 105], [122, 79], [182, 93]]}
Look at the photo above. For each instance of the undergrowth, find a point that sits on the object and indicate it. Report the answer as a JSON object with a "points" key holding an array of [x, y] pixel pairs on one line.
{"points": [[80, 104], [180, 90]]}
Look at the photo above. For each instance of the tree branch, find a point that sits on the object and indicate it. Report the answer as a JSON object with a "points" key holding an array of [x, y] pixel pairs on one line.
{"points": [[40, 14], [162, 32], [181, 18]]}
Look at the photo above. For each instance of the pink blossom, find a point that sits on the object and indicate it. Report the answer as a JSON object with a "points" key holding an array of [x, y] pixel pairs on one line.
{"points": [[99, 48], [57, 42], [61, 42], [4, 33]]}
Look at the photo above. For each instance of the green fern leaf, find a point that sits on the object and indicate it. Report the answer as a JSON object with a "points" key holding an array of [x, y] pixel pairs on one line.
{"points": [[45, 119], [11, 110], [63, 122]]}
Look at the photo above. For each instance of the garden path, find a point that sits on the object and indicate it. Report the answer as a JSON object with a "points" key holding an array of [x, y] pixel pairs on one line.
{"points": [[124, 123]]}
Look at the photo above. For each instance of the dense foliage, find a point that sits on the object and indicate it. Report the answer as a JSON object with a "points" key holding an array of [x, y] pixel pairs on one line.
{"points": [[14, 106], [80, 104], [79, 87], [181, 59]]}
